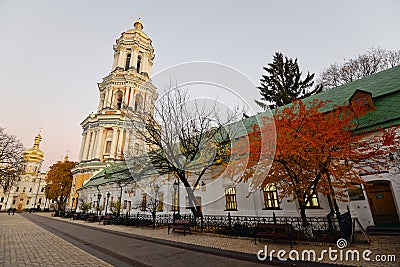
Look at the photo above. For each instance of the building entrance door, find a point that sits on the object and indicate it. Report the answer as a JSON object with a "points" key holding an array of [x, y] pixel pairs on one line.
{"points": [[381, 201]]}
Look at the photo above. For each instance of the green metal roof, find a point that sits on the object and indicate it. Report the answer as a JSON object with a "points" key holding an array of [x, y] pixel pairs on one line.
{"points": [[385, 91], [111, 174], [378, 84]]}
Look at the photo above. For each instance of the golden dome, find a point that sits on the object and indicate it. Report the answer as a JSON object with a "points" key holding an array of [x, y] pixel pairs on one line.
{"points": [[34, 153], [138, 27], [138, 24]]}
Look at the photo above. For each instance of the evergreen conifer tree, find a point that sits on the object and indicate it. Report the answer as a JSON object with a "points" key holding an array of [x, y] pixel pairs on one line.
{"points": [[283, 83]]}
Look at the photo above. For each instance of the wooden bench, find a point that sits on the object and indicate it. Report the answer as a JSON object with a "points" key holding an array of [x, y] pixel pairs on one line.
{"points": [[274, 230], [91, 218], [76, 216], [106, 219], [180, 225]]}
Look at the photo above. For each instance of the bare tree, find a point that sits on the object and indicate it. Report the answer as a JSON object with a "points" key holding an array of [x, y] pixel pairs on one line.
{"points": [[181, 138], [11, 160], [368, 63]]}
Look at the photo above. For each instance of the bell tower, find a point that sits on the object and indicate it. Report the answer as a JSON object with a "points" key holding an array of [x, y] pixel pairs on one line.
{"points": [[127, 88]]}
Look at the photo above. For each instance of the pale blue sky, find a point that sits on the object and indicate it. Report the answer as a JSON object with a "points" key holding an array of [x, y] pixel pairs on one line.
{"points": [[53, 53]]}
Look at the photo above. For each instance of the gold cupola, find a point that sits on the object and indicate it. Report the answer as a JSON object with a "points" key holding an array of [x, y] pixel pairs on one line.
{"points": [[34, 154], [138, 24]]}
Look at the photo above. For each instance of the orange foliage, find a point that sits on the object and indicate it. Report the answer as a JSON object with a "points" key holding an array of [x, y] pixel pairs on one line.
{"points": [[315, 152]]}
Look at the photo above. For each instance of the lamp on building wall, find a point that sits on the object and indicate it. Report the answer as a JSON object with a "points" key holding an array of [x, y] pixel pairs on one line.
{"points": [[203, 186], [176, 187], [77, 201]]}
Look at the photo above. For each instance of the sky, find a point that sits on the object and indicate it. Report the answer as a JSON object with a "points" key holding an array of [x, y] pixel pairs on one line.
{"points": [[53, 53]]}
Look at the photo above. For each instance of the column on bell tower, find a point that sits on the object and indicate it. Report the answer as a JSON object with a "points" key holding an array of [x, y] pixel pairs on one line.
{"points": [[100, 144], [87, 143], [120, 144], [115, 61], [105, 103], [92, 144], [146, 67], [126, 96], [84, 134], [121, 57], [114, 142], [109, 98], [134, 57]]}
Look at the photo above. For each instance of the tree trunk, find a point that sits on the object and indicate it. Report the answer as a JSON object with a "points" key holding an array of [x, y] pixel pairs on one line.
{"points": [[153, 213], [335, 205], [331, 214], [193, 205], [308, 231]]}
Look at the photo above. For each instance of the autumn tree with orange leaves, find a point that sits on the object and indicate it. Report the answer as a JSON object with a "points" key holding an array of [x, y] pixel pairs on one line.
{"points": [[59, 181], [315, 152]]}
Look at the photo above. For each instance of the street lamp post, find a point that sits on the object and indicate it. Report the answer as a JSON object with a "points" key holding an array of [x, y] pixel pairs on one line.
{"points": [[155, 205], [108, 196], [98, 202], [176, 198]]}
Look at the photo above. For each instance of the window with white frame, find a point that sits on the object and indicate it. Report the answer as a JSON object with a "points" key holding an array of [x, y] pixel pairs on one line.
{"points": [[313, 202], [270, 197], [230, 198]]}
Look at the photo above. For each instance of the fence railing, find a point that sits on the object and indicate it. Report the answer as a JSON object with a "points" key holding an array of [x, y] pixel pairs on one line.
{"points": [[226, 223]]}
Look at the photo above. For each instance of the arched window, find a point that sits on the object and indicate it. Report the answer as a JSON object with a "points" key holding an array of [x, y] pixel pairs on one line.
{"points": [[128, 60], [138, 102], [40, 200], [139, 61], [119, 100]]}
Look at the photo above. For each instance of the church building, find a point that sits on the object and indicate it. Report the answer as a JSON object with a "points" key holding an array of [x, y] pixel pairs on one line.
{"points": [[127, 87], [29, 191]]}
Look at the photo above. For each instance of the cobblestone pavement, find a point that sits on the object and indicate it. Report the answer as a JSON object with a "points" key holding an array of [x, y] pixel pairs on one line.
{"points": [[382, 245], [23, 243]]}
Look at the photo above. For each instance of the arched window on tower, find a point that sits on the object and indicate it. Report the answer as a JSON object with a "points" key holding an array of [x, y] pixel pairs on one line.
{"points": [[138, 102], [119, 97], [128, 60], [139, 61]]}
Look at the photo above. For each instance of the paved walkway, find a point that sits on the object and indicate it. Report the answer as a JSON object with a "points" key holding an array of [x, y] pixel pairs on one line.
{"points": [[23, 243], [127, 250], [381, 245]]}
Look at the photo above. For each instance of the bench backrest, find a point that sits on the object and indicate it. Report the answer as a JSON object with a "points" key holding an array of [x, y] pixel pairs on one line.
{"points": [[181, 222]]}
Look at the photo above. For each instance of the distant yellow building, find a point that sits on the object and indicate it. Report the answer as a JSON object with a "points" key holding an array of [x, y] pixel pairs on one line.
{"points": [[29, 192]]}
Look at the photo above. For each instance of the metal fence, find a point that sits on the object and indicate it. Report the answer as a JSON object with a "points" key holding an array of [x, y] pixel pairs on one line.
{"points": [[226, 224]]}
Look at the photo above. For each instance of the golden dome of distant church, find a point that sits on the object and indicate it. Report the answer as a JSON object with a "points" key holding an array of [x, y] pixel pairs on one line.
{"points": [[34, 154]]}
